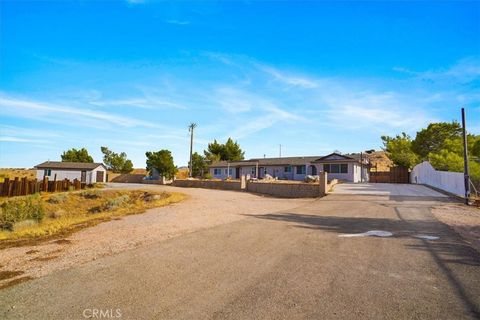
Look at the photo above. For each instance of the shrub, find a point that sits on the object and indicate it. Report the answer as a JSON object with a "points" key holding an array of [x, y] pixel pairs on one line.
{"points": [[207, 176], [58, 198], [24, 208], [91, 194], [114, 203]]}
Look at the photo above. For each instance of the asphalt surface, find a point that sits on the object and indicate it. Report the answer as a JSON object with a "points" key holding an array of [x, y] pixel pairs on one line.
{"points": [[293, 264]]}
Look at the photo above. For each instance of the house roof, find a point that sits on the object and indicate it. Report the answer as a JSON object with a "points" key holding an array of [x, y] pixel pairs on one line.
{"points": [[291, 161], [286, 161], [336, 157], [68, 165]]}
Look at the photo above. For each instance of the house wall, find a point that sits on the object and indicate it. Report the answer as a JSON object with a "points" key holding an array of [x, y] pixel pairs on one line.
{"points": [[223, 173], [91, 176]]}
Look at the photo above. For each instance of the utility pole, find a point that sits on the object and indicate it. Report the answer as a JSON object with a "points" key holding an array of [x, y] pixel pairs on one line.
{"points": [[190, 129], [361, 166], [280, 152], [465, 159]]}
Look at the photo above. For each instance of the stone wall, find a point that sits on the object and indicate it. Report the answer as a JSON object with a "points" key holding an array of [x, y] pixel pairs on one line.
{"points": [[208, 184], [286, 190]]}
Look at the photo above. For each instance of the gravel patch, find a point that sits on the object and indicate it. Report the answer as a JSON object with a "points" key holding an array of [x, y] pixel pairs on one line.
{"points": [[202, 209], [464, 220]]}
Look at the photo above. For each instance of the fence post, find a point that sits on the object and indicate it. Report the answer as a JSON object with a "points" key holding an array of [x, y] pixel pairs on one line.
{"points": [[6, 187], [45, 184]]}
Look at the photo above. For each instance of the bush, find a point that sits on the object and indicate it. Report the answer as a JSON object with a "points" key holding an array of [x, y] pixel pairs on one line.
{"points": [[58, 198], [24, 208], [114, 203], [91, 194], [207, 176]]}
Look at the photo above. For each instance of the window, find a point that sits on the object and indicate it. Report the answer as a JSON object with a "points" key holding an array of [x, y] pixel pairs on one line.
{"points": [[300, 169], [217, 171], [47, 172], [254, 170], [288, 169], [230, 171], [335, 168]]}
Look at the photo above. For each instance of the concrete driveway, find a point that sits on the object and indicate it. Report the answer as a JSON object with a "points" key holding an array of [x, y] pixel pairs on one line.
{"points": [[386, 189], [313, 260]]}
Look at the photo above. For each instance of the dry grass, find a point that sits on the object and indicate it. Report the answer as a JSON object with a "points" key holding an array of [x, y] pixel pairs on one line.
{"points": [[12, 173], [71, 211]]}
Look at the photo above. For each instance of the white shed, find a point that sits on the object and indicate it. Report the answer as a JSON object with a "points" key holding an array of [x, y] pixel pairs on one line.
{"points": [[85, 172]]}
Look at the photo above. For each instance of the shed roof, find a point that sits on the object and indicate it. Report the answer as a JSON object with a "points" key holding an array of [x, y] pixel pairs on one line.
{"points": [[68, 165]]}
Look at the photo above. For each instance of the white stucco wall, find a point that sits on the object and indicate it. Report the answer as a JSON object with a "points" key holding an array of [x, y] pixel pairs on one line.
{"points": [[452, 182], [91, 175]]}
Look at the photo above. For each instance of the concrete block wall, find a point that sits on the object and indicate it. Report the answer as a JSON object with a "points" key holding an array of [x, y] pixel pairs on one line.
{"points": [[276, 189], [208, 184], [286, 190]]}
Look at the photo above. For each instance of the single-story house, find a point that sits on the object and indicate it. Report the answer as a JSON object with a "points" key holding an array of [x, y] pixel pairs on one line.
{"points": [[351, 167], [85, 172]]}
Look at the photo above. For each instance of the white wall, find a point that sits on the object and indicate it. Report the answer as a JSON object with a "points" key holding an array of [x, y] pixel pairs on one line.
{"points": [[452, 182], [71, 175]]}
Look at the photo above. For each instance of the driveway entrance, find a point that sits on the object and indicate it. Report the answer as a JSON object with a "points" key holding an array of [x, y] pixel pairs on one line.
{"points": [[386, 189]]}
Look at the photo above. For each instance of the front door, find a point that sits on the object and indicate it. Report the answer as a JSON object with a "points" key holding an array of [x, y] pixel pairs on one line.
{"points": [[83, 176], [99, 176]]}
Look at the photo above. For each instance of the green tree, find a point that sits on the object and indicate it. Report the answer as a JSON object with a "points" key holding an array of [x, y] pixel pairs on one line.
{"points": [[230, 151], [432, 138], [118, 163], [162, 161], [214, 151], [399, 150], [199, 167], [74, 155]]}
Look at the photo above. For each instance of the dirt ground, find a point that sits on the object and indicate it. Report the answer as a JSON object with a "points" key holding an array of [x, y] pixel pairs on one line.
{"points": [[464, 220], [202, 209]]}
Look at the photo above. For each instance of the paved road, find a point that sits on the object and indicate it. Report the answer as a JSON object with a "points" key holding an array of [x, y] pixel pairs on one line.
{"points": [[293, 264]]}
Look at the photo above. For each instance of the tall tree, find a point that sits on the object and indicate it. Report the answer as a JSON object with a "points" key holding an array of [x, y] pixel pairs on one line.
{"points": [[214, 151], [115, 162], [230, 151], [199, 165], [399, 150], [74, 155], [162, 161], [432, 138]]}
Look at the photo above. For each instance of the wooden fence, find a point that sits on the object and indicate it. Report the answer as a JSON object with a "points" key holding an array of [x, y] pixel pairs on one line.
{"points": [[23, 186], [395, 175]]}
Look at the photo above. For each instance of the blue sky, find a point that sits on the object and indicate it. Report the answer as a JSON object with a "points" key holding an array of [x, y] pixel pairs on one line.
{"points": [[312, 76]]}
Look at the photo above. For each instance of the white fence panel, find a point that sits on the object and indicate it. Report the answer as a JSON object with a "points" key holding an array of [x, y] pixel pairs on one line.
{"points": [[452, 182]]}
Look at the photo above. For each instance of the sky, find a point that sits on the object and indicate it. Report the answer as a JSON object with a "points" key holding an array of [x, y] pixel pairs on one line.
{"points": [[314, 77]]}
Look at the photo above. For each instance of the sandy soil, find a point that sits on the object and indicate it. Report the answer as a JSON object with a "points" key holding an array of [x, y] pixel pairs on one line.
{"points": [[464, 220], [203, 209]]}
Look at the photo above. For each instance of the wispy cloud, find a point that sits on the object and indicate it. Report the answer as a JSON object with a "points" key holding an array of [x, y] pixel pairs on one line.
{"points": [[463, 71], [50, 111], [135, 1], [297, 81], [17, 139], [139, 103], [178, 22]]}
